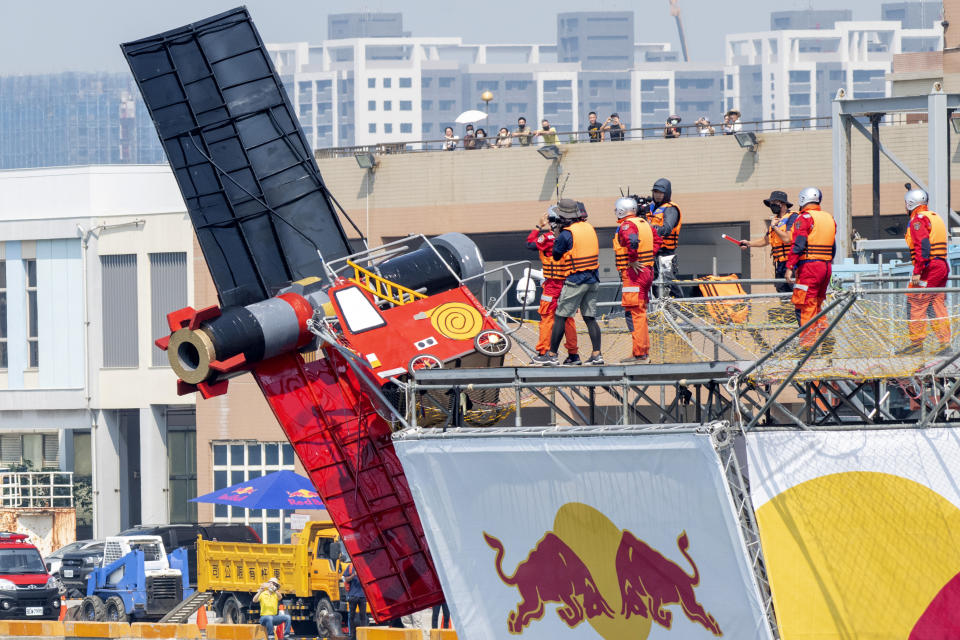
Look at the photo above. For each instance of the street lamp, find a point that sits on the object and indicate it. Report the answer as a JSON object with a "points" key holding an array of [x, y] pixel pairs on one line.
{"points": [[486, 96]]}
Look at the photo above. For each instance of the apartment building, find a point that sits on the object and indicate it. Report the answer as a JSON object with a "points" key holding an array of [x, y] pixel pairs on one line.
{"points": [[795, 70], [91, 260]]}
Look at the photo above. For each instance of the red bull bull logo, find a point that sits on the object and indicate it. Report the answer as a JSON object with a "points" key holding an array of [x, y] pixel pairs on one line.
{"points": [[303, 493], [237, 495], [603, 575], [551, 573]]}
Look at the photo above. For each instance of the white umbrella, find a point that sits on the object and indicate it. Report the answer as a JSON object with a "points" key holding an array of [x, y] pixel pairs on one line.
{"points": [[469, 117]]}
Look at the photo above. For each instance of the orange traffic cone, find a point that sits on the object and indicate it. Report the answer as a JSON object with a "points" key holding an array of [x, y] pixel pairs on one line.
{"points": [[202, 620], [280, 627], [63, 609]]}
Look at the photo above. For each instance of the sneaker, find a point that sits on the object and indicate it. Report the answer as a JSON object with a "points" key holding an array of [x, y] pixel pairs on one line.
{"points": [[911, 349], [594, 360], [636, 360], [546, 360], [573, 360]]}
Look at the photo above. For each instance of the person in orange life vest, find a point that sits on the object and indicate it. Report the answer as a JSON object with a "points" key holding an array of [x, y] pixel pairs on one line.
{"points": [[541, 240], [634, 246], [577, 246], [809, 265], [927, 239], [666, 220], [779, 236]]}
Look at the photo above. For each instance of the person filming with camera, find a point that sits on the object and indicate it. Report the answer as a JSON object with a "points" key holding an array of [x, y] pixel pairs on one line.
{"points": [[576, 245], [269, 597]]}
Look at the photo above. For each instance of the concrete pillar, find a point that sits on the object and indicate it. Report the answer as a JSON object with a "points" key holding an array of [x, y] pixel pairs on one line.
{"points": [[155, 478], [105, 441], [938, 136]]}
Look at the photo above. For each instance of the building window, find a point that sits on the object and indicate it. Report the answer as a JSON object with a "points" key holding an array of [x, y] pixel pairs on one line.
{"points": [[119, 300], [372, 127], [371, 83], [235, 462], [427, 127], [517, 85], [3, 314], [406, 83], [425, 83], [168, 292], [406, 127], [388, 128], [36, 451], [623, 85], [387, 105], [446, 83], [447, 105], [324, 85], [33, 345], [406, 105], [386, 83], [426, 105], [488, 85], [371, 105]]}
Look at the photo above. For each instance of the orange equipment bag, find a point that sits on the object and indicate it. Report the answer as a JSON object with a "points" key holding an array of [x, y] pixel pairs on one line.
{"points": [[725, 311]]}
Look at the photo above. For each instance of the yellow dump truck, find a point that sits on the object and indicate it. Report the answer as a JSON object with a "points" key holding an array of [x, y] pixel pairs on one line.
{"points": [[309, 571]]}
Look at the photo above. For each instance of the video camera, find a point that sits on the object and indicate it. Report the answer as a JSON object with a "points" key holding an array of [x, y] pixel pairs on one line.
{"points": [[644, 204]]}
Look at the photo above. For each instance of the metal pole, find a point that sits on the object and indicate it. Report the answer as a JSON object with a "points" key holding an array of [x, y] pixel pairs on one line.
{"points": [[875, 159], [803, 361]]}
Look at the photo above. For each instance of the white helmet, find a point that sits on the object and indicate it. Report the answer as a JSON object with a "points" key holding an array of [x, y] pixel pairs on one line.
{"points": [[914, 198], [625, 207], [808, 195]]}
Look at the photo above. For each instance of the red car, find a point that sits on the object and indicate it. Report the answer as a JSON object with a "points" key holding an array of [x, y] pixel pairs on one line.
{"points": [[27, 590]]}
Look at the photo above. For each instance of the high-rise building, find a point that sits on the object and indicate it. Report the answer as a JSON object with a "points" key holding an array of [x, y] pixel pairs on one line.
{"points": [[74, 119], [596, 39], [809, 19], [365, 25], [913, 15], [795, 73]]}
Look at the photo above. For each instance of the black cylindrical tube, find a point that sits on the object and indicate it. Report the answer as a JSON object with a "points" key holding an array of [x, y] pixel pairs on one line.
{"points": [[236, 330], [422, 269]]}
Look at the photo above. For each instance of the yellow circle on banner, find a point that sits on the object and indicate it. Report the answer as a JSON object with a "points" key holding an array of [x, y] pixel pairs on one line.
{"points": [[857, 554], [456, 320]]}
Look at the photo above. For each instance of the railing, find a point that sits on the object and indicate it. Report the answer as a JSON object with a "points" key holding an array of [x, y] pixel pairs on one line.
{"points": [[383, 288], [36, 489], [571, 137]]}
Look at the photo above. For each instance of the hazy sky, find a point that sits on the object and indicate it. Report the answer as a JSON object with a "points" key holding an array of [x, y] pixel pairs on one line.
{"points": [[83, 35]]}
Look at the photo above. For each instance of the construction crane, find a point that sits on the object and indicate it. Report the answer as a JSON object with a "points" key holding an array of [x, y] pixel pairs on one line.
{"points": [[675, 12]]}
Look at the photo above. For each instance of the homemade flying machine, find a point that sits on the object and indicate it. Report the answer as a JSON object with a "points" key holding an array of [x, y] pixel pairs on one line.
{"points": [[289, 284]]}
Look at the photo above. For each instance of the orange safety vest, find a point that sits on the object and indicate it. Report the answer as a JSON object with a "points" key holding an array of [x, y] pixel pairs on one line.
{"points": [[644, 247], [821, 237], [938, 233], [656, 220], [779, 250], [585, 255], [554, 269]]}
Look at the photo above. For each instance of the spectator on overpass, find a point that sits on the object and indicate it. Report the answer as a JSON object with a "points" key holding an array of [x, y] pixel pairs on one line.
{"points": [[730, 122], [449, 140], [504, 139]]}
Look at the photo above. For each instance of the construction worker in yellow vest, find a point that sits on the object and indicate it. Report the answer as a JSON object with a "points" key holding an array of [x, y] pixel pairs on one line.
{"points": [[576, 244], [666, 219], [634, 246]]}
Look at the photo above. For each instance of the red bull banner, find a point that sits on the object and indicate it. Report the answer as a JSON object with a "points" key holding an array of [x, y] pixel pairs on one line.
{"points": [[860, 531], [587, 537]]}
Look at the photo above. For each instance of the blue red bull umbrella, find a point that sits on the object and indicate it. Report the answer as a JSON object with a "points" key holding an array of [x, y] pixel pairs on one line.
{"points": [[277, 490]]}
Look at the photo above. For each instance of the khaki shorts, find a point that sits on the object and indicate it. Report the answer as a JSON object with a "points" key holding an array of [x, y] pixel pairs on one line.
{"points": [[578, 296]]}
